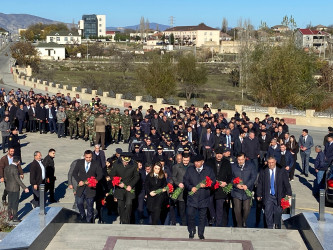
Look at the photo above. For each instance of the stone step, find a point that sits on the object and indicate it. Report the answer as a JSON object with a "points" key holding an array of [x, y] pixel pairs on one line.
{"points": [[95, 236]]}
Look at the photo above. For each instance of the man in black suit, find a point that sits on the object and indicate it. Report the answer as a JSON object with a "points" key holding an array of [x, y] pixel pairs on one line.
{"points": [[85, 169], [37, 177], [238, 143], [41, 115], [264, 141], [12, 109], [126, 168], [208, 143], [273, 185], [143, 172], [199, 201], [222, 170]]}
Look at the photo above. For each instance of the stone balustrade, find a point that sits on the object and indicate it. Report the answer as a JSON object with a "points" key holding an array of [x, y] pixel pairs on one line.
{"points": [[308, 120]]}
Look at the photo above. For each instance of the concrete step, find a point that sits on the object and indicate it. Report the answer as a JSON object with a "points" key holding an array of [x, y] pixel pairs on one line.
{"points": [[96, 236]]}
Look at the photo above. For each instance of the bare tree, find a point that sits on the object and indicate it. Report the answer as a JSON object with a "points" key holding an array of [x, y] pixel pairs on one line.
{"points": [[142, 27], [147, 27], [224, 25]]}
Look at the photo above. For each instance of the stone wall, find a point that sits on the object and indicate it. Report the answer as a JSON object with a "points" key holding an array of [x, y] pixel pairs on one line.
{"points": [[302, 120]]}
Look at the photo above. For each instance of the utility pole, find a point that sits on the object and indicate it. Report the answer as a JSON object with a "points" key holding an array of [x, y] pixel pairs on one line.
{"points": [[171, 21]]}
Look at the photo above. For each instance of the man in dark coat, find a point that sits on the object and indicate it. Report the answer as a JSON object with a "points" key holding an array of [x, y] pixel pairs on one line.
{"points": [[178, 172], [208, 143], [41, 115], [37, 177], [264, 141], [222, 170], [143, 172], [20, 115], [12, 113], [199, 201], [50, 178], [14, 142], [251, 148], [85, 169], [126, 168], [273, 185], [274, 150]]}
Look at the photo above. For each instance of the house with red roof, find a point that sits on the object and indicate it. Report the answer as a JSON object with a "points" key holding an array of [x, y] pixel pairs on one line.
{"points": [[309, 38]]}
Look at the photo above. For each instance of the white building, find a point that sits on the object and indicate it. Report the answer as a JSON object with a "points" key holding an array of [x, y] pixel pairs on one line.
{"points": [[64, 37], [307, 38], [199, 35], [51, 51], [92, 26]]}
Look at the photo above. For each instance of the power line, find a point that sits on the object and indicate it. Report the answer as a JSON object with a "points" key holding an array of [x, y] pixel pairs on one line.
{"points": [[171, 20]]}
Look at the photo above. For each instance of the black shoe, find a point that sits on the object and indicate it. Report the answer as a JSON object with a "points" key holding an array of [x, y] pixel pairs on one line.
{"points": [[76, 138], [40, 132], [53, 201], [306, 175], [91, 144], [191, 235], [244, 225], [117, 142], [141, 222], [173, 223], [100, 222], [17, 220], [201, 237], [211, 221], [85, 139], [71, 137], [33, 205], [83, 219]]}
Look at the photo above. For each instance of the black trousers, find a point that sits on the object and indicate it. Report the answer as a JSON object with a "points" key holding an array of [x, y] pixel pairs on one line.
{"points": [[42, 126], [141, 203], [4, 141], [49, 187], [273, 212], [242, 209], [13, 202], [4, 195], [32, 125], [220, 212], [191, 216], [125, 209], [182, 211]]}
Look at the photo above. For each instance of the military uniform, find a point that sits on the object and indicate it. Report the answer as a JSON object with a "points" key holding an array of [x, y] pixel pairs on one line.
{"points": [[126, 124], [115, 126], [79, 121], [72, 125], [90, 127], [129, 176], [85, 116], [14, 142]]}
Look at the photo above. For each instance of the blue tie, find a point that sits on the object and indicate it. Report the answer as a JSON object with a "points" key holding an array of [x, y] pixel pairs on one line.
{"points": [[272, 184], [87, 167]]}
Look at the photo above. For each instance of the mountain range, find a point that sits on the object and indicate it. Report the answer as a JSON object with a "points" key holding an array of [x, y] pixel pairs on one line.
{"points": [[13, 22]]}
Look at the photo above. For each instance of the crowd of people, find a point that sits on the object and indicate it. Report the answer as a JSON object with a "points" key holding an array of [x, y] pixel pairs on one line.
{"points": [[179, 147]]}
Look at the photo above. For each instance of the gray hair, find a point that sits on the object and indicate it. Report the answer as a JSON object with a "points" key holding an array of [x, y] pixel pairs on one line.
{"points": [[36, 153], [97, 145], [318, 147]]}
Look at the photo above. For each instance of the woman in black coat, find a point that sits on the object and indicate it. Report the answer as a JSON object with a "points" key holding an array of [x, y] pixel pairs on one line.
{"points": [[294, 149], [156, 203]]}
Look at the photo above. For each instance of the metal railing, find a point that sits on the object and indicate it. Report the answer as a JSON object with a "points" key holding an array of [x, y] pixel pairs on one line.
{"points": [[290, 112], [258, 109]]}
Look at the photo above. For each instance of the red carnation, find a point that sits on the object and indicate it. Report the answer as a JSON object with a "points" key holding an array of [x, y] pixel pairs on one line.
{"points": [[217, 185], [285, 203], [209, 182], [116, 181], [92, 182], [103, 202], [237, 180], [170, 188]]}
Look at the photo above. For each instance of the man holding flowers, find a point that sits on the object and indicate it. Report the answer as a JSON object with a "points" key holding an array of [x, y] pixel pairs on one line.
{"points": [[198, 181]]}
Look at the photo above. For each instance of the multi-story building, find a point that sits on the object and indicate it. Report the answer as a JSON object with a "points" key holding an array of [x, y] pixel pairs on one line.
{"points": [[307, 38], [63, 37], [199, 35], [92, 26]]}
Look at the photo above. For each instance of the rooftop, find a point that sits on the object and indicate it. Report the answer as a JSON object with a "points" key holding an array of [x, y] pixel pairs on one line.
{"points": [[49, 45], [64, 33], [312, 32], [201, 26]]}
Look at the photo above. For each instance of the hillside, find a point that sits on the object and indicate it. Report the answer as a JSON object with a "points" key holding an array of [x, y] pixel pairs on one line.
{"points": [[161, 27], [13, 22]]}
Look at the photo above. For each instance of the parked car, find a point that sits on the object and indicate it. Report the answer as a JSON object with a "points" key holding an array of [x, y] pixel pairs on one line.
{"points": [[329, 187]]}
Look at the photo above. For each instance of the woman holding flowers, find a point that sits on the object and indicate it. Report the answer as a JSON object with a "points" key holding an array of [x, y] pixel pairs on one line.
{"points": [[244, 175], [156, 190]]}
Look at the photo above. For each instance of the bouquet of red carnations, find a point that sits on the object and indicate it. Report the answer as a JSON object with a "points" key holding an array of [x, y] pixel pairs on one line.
{"points": [[103, 202], [207, 181], [116, 180], [176, 193], [227, 189], [285, 203], [239, 181], [91, 182], [168, 188]]}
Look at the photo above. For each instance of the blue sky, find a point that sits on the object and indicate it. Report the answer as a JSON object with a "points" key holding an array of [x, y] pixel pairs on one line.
{"points": [[186, 12]]}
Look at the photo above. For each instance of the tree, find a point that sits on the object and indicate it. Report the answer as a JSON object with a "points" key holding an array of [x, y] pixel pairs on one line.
{"points": [[142, 27], [158, 77], [25, 54], [172, 39], [125, 63], [191, 75], [224, 25], [234, 77], [283, 75], [326, 79]]}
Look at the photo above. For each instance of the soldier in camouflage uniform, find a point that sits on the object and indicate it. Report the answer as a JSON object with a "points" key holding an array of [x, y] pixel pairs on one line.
{"points": [[72, 123], [126, 125], [90, 121], [79, 114], [85, 116], [115, 125]]}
